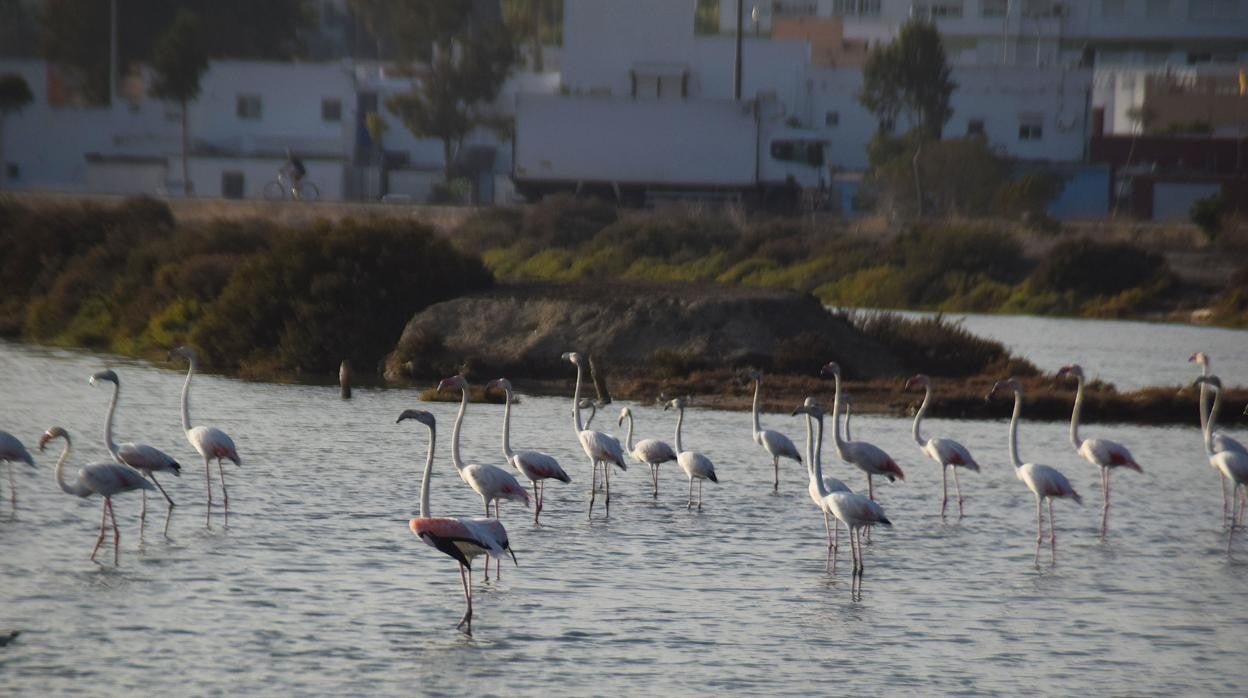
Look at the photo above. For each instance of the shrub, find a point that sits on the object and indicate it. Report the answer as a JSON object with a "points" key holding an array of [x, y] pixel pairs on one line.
{"points": [[1088, 268], [1207, 213], [935, 345], [566, 221]]}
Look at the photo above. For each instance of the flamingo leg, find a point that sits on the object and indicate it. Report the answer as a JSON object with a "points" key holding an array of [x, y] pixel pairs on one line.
{"points": [[13, 486], [225, 494], [1039, 528], [143, 512], [689, 505], [699, 495], [1105, 507], [162, 490], [593, 487], [944, 488], [108, 502], [467, 600], [957, 486], [870, 488], [537, 508], [654, 475], [208, 481], [775, 466], [1052, 532], [606, 474], [103, 521]]}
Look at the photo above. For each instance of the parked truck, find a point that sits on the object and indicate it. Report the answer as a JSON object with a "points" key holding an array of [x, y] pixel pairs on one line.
{"points": [[639, 151]]}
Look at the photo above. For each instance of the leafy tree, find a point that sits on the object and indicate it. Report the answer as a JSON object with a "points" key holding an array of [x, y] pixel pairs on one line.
{"points": [[14, 96], [535, 23], [180, 60], [409, 29], [910, 76]]}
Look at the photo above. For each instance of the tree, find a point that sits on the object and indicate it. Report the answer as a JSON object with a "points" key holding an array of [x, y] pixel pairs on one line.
{"points": [[180, 60], [535, 23], [14, 96]]}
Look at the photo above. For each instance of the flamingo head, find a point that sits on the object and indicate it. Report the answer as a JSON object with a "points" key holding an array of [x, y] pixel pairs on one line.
{"points": [[749, 374], [918, 379], [453, 383], [1010, 384], [625, 413], [51, 433], [1199, 357], [574, 357], [421, 416], [106, 375], [809, 408], [184, 352], [675, 404], [1073, 370], [831, 369], [1213, 382], [500, 383]]}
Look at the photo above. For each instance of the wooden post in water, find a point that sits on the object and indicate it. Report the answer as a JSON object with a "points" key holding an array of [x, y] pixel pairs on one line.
{"points": [[344, 379], [600, 383]]}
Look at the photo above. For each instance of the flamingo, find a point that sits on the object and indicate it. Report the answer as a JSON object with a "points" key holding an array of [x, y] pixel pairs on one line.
{"points": [[651, 452], [849, 412], [12, 451], [1221, 442], [1233, 465], [535, 465], [775, 443], [858, 512], [948, 454], [104, 479], [598, 446], [462, 539], [1102, 453], [591, 405], [209, 442], [869, 458], [830, 484], [146, 459], [695, 465], [1044, 481]]}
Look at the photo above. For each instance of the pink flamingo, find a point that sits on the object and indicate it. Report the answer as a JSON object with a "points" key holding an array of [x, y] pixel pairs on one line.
{"points": [[651, 452], [462, 539], [858, 512], [12, 451], [104, 479], [776, 444], [814, 465], [598, 446], [538, 467], [696, 466], [209, 442], [869, 458], [146, 459], [1233, 465], [1221, 442], [947, 453], [1102, 453], [1044, 481]]}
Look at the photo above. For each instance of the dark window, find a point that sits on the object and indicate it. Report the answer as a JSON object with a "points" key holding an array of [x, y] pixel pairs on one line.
{"points": [[808, 152], [832, 118], [13, 171], [975, 127], [249, 107], [1030, 131], [232, 185], [331, 109]]}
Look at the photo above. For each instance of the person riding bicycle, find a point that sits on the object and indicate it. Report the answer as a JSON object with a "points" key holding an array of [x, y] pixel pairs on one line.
{"points": [[294, 169]]}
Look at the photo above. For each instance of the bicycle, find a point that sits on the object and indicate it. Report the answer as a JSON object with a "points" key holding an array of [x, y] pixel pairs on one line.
{"points": [[282, 188]]}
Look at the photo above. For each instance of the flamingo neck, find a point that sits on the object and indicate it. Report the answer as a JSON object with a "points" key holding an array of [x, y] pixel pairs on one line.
{"points": [[186, 394], [918, 417], [1018, 410], [757, 386], [424, 479], [680, 419], [1074, 414], [1204, 397], [76, 489], [629, 438], [810, 446], [820, 485], [108, 423], [576, 402], [507, 426], [836, 416], [459, 421], [1213, 418]]}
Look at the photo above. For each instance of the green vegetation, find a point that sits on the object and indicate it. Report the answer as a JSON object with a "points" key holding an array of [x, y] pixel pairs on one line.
{"points": [[254, 297]]}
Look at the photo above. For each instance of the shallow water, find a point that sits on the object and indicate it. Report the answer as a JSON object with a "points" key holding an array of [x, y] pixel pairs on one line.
{"points": [[318, 587]]}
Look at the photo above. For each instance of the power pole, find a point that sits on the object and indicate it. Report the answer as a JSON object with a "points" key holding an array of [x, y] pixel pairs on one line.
{"points": [[736, 73]]}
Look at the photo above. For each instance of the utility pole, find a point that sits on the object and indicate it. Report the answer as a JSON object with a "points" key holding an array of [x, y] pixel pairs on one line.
{"points": [[736, 73], [112, 52]]}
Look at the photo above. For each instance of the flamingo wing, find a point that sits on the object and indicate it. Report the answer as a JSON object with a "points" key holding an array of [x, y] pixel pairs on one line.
{"points": [[213, 443], [856, 510], [110, 478], [697, 465], [452, 537], [144, 457], [1108, 454], [1047, 481], [1222, 442], [953, 453], [654, 451], [604, 447], [539, 466], [874, 460], [492, 482], [778, 444], [1232, 464], [12, 449]]}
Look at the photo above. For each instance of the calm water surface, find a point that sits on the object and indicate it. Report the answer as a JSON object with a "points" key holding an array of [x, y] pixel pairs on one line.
{"points": [[318, 587]]}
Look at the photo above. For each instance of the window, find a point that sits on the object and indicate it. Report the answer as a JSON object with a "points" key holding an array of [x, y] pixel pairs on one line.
{"points": [[1158, 9], [1031, 127], [993, 8], [832, 118], [248, 107], [794, 8], [1113, 8], [331, 109], [975, 127], [856, 8], [13, 171], [936, 10], [1213, 9], [232, 184], [807, 152]]}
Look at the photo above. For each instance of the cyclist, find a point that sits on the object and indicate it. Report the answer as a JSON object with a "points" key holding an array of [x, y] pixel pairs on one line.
{"points": [[295, 170]]}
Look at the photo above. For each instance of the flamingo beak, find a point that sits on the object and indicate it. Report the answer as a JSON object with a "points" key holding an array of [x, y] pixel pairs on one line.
{"points": [[512, 553]]}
